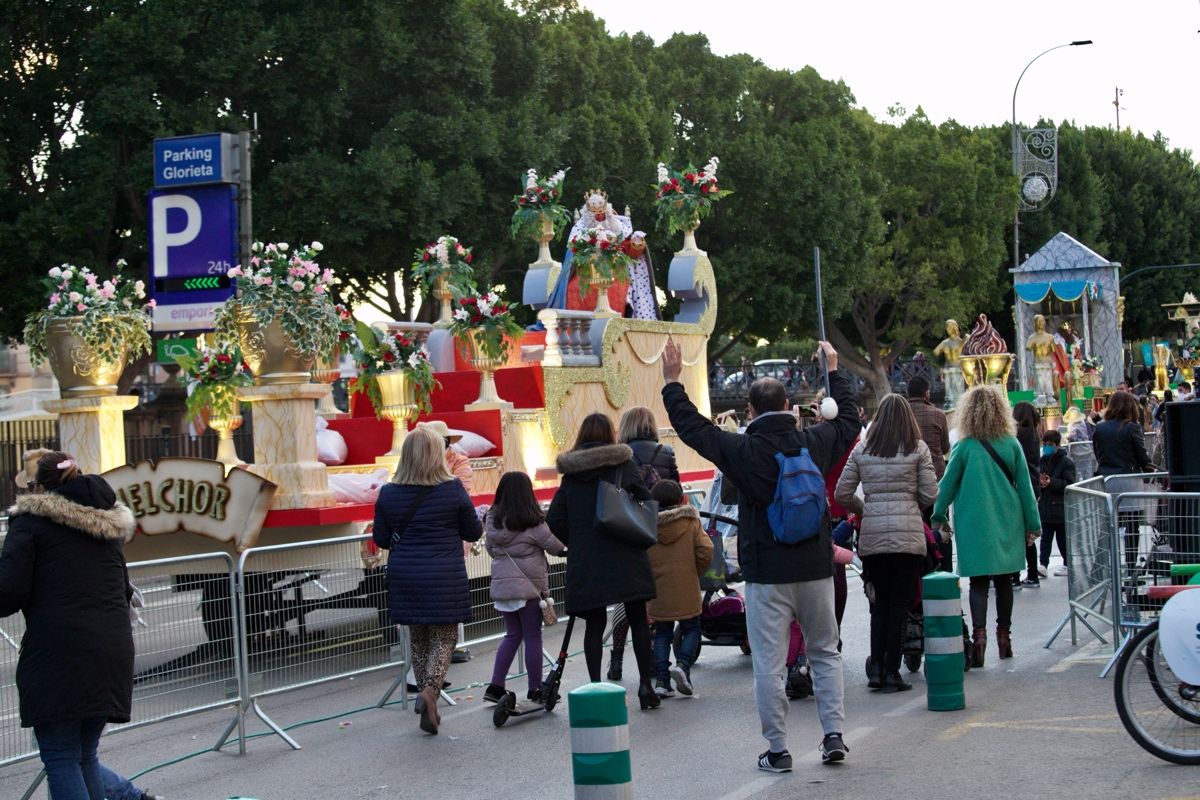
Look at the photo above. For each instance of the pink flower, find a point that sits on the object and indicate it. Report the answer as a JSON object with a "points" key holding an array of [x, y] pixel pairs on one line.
{"points": [[327, 276], [255, 261], [107, 292], [80, 307], [319, 289], [298, 286], [54, 298], [91, 280], [236, 272], [151, 303]]}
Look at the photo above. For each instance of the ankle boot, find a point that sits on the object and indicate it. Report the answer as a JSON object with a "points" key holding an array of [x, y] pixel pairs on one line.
{"points": [[647, 697], [978, 647], [614, 664], [1004, 641]]}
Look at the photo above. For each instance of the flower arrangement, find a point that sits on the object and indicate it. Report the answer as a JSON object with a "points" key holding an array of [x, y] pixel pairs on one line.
{"points": [[486, 320], [215, 372], [599, 252], [684, 198], [109, 315], [447, 256], [539, 202], [378, 352], [290, 287], [1090, 365]]}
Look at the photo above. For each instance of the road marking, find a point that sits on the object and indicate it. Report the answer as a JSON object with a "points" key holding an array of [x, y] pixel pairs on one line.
{"points": [[911, 705], [1087, 654], [1048, 724]]}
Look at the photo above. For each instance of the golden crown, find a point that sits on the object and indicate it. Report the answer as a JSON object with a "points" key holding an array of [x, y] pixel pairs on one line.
{"points": [[588, 194]]}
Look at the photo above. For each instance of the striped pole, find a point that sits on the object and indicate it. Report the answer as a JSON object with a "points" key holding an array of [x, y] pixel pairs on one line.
{"points": [[942, 602], [600, 742]]}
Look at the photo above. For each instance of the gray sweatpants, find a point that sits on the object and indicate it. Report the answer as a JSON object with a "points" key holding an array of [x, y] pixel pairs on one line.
{"points": [[770, 609]]}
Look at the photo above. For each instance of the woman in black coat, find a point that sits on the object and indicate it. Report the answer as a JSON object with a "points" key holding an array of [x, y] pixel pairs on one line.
{"points": [[1120, 447], [422, 518], [601, 570], [1029, 436], [63, 565]]}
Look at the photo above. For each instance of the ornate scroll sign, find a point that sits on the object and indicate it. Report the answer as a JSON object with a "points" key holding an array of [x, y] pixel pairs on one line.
{"points": [[194, 495], [1036, 167]]}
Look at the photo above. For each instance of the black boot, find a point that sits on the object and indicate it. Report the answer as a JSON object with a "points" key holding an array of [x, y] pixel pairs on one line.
{"points": [[647, 697], [614, 664], [892, 682]]}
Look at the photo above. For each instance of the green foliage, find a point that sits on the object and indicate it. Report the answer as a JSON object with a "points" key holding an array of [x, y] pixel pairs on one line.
{"points": [[484, 322], [684, 197], [447, 256], [377, 352], [600, 253], [214, 375], [539, 203]]}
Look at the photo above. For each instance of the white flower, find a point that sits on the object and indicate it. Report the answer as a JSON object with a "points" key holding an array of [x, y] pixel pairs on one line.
{"points": [[256, 247], [67, 274], [316, 246], [485, 307], [414, 359], [461, 315], [282, 247], [139, 288], [557, 178], [122, 263], [74, 297], [531, 179], [55, 272], [443, 251], [663, 174], [298, 286]]}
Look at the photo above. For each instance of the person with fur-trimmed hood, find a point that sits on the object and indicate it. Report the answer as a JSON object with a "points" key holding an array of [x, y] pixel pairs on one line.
{"points": [[682, 555], [602, 570], [63, 566]]}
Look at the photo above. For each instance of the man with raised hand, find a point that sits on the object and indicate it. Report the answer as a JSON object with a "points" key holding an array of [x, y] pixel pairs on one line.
{"points": [[784, 582]]}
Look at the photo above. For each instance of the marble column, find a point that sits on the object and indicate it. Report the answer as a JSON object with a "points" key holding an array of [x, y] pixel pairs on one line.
{"points": [[285, 443], [92, 429]]}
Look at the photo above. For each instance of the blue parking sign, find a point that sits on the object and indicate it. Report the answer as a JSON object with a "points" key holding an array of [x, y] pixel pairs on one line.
{"points": [[193, 244]]}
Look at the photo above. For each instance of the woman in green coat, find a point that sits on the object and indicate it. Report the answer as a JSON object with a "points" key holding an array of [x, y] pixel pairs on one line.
{"points": [[998, 515]]}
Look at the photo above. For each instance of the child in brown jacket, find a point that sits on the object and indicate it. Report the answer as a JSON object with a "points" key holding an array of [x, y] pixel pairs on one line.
{"points": [[681, 556]]}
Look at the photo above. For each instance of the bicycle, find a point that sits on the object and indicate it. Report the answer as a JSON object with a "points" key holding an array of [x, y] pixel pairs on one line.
{"points": [[1157, 683]]}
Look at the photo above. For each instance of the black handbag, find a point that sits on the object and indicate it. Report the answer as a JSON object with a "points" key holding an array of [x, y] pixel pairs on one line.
{"points": [[624, 517]]}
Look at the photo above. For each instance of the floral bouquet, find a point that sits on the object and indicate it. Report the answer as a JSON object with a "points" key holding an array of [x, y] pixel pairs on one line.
{"points": [[108, 315], [377, 352], [538, 203], [289, 287], [684, 198], [447, 256], [487, 321], [215, 372], [599, 252], [1091, 364]]}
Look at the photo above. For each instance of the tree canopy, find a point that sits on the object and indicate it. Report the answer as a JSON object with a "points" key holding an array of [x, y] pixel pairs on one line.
{"points": [[382, 125]]}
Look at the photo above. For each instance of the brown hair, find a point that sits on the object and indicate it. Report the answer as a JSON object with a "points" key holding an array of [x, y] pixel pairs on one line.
{"points": [[1122, 406], [983, 414], [667, 493], [50, 475], [422, 459], [894, 431], [596, 429], [637, 423]]}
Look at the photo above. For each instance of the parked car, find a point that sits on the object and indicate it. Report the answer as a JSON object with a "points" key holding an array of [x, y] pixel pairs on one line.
{"points": [[779, 368]]}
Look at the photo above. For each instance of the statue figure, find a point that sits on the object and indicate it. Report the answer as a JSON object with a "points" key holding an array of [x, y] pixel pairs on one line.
{"points": [[636, 298], [1042, 345], [950, 349]]}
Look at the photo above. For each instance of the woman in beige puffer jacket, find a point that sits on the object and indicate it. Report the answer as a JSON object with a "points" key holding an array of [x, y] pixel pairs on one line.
{"points": [[896, 472]]}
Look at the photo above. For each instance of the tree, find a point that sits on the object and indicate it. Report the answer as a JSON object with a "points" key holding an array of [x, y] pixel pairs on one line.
{"points": [[944, 203]]}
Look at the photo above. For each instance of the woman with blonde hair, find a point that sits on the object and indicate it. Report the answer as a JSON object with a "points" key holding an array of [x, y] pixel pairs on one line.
{"points": [[998, 514], [422, 518], [895, 468]]}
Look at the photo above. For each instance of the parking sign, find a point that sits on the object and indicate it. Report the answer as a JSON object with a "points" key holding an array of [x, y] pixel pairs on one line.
{"points": [[193, 244]]}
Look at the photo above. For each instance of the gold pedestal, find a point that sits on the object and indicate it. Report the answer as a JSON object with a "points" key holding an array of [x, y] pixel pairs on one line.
{"points": [[400, 408], [987, 369], [92, 429], [441, 291], [285, 443], [488, 398], [689, 242], [80, 372], [328, 374], [1187, 366], [603, 309], [226, 453]]}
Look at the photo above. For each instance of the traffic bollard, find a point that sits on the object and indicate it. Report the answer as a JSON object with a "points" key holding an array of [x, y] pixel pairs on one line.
{"points": [[600, 742], [942, 601]]}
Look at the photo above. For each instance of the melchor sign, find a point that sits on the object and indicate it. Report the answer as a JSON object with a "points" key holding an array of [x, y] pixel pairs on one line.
{"points": [[194, 495]]}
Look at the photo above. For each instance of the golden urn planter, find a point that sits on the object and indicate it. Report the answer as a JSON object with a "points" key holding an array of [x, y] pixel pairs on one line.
{"points": [[986, 369], [79, 370], [488, 398], [441, 292], [272, 357], [225, 426], [399, 396], [328, 373]]}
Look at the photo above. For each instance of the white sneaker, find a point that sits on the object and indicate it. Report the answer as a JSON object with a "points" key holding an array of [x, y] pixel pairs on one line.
{"points": [[1060, 571], [1043, 571]]}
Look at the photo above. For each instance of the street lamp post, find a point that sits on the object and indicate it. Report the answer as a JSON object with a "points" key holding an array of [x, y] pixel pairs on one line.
{"points": [[1016, 142]]}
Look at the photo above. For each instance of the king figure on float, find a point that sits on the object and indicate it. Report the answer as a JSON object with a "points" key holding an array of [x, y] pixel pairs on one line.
{"points": [[635, 298], [1042, 345]]}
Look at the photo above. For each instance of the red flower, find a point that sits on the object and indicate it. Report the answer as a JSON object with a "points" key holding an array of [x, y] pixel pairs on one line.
{"points": [[245, 366], [501, 308], [690, 177], [224, 359], [521, 201], [603, 245], [468, 257], [343, 336], [425, 257], [389, 357], [467, 301], [404, 341], [476, 319]]}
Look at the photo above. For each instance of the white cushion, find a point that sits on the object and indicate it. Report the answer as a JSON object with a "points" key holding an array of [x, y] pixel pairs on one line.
{"points": [[471, 445]]}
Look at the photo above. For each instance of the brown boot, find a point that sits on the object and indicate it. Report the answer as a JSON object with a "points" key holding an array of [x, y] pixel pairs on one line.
{"points": [[1004, 641], [978, 647], [430, 718]]}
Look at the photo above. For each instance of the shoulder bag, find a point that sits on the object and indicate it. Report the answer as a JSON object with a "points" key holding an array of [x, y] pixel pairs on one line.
{"points": [[1008, 474], [412, 511], [623, 517]]}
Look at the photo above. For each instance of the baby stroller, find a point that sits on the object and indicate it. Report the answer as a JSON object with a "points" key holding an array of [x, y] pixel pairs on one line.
{"points": [[722, 609]]}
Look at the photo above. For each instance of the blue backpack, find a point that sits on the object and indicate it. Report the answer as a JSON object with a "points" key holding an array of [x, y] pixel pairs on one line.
{"points": [[799, 506]]}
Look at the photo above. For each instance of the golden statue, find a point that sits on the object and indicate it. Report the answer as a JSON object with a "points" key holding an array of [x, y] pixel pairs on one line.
{"points": [[1161, 354], [950, 349], [1041, 344]]}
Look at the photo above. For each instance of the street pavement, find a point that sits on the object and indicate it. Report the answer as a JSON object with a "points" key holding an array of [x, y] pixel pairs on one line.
{"points": [[1040, 725]]}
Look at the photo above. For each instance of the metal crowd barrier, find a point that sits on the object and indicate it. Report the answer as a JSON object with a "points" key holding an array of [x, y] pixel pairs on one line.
{"points": [[1085, 459], [1089, 535]]}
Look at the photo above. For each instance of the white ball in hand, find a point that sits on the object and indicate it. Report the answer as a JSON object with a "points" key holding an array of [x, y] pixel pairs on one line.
{"points": [[829, 408]]}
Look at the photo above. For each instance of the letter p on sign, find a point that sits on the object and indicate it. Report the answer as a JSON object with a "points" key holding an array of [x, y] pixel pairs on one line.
{"points": [[163, 238]]}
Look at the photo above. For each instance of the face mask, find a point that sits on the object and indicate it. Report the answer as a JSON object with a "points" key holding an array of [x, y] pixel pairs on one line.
{"points": [[1048, 449]]}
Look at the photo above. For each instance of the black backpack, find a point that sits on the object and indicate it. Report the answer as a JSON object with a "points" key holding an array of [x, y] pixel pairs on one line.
{"points": [[647, 472]]}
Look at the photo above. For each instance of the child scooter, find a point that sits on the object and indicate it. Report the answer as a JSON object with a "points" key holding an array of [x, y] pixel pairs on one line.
{"points": [[508, 705]]}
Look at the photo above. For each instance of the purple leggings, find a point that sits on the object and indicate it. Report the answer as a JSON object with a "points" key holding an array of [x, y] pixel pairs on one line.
{"points": [[523, 625]]}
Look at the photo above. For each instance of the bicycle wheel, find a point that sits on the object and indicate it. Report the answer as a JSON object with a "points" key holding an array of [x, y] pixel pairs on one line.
{"points": [[1159, 711]]}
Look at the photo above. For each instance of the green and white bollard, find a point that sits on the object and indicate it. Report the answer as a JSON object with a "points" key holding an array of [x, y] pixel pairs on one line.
{"points": [[942, 602], [600, 742]]}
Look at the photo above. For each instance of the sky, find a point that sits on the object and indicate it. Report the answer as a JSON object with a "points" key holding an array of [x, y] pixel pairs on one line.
{"points": [[960, 60]]}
